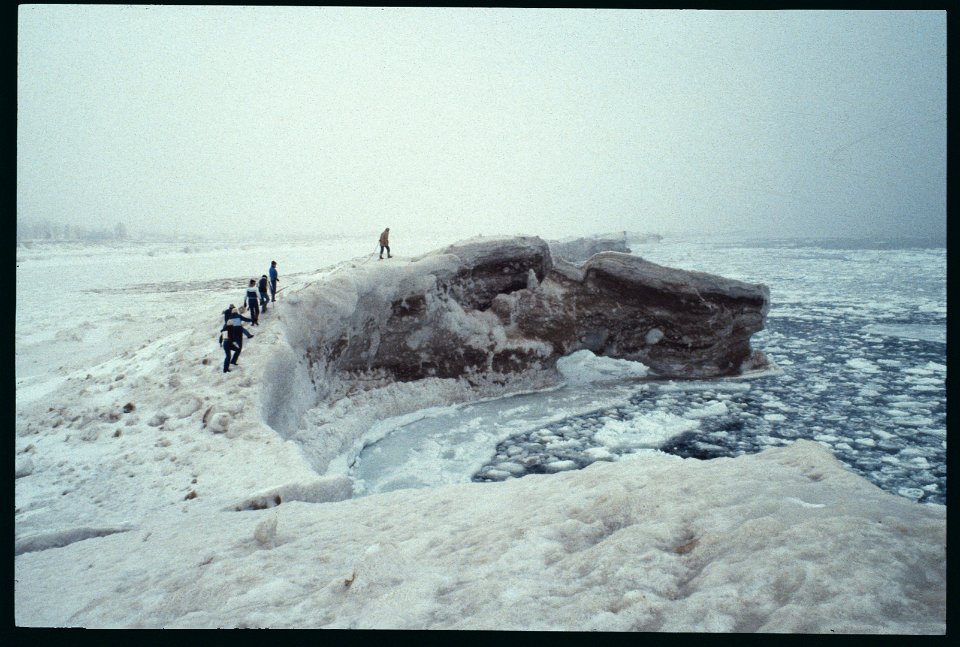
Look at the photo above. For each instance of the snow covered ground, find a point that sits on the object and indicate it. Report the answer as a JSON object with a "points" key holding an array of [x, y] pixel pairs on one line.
{"points": [[152, 490]]}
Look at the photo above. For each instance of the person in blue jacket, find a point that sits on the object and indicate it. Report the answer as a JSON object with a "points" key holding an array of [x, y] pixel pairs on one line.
{"points": [[253, 302], [262, 288], [274, 277], [232, 312]]}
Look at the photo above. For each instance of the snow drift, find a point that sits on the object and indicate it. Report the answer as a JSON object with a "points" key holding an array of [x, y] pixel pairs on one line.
{"points": [[578, 250], [782, 541]]}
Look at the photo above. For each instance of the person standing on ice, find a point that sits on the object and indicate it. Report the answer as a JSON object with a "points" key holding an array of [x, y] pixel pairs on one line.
{"points": [[262, 288], [253, 302], [233, 326], [228, 346], [273, 281], [385, 243]]}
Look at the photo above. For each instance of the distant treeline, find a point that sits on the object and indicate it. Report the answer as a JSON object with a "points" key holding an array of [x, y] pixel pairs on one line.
{"points": [[46, 230]]}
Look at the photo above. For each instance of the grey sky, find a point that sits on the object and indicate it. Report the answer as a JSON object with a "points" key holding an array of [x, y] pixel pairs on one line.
{"points": [[229, 120]]}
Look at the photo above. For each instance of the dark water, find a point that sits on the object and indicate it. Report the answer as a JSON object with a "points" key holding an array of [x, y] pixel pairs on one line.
{"points": [[860, 335]]}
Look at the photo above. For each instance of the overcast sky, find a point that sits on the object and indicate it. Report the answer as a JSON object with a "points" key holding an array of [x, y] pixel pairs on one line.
{"points": [[229, 120]]}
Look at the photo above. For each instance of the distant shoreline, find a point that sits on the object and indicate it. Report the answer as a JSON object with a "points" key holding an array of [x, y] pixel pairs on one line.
{"points": [[838, 242]]}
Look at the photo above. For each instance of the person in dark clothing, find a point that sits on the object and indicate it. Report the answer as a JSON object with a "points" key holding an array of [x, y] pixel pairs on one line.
{"points": [[253, 302], [229, 345], [262, 288], [274, 277], [233, 326], [231, 312]]}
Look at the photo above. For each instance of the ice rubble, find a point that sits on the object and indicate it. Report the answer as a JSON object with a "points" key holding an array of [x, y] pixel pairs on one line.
{"points": [[782, 541]]}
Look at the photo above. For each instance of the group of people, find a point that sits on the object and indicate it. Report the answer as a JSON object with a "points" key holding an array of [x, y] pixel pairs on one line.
{"points": [[256, 299]]}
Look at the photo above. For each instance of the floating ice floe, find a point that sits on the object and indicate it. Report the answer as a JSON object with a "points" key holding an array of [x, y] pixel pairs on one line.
{"points": [[583, 367], [862, 365], [920, 332]]}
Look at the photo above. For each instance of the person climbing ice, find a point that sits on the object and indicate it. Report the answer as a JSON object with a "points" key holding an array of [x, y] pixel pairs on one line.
{"points": [[233, 326], [262, 288], [253, 303], [232, 311], [229, 346]]}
